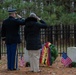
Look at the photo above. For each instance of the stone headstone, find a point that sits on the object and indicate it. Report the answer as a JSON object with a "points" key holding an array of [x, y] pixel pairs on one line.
{"points": [[71, 52]]}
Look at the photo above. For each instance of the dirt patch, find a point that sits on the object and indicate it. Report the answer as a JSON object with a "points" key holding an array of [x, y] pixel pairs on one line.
{"points": [[56, 69]]}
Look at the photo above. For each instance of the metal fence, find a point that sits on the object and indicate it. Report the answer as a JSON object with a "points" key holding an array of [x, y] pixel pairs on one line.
{"points": [[0, 42], [62, 36]]}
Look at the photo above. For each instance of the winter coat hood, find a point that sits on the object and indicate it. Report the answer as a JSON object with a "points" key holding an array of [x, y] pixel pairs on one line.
{"points": [[29, 19]]}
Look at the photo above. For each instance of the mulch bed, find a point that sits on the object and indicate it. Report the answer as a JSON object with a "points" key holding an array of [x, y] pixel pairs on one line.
{"points": [[56, 69]]}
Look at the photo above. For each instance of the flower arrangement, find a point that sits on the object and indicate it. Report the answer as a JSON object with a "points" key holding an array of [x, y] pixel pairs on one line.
{"points": [[48, 54]]}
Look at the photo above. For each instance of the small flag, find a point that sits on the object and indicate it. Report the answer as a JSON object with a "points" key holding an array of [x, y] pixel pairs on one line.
{"points": [[65, 59], [22, 62]]}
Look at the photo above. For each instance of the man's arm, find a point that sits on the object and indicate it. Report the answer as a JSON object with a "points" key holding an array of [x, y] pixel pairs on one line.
{"points": [[19, 20], [42, 23]]}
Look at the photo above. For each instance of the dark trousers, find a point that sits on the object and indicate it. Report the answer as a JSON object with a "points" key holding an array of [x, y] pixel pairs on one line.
{"points": [[11, 52]]}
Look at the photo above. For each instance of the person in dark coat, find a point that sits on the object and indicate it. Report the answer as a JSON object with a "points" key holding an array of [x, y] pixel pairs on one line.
{"points": [[33, 40], [10, 34]]}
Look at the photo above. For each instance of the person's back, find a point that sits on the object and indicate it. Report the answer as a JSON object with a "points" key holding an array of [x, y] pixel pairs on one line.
{"points": [[11, 30], [32, 33], [33, 40]]}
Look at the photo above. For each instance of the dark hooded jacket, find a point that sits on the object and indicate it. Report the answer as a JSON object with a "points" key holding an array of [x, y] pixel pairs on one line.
{"points": [[32, 33]]}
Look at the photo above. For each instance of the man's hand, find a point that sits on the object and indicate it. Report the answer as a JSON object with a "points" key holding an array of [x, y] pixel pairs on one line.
{"points": [[3, 42], [19, 16], [38, 18]]}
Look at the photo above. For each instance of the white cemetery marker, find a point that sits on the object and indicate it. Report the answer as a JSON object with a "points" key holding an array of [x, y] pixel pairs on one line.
{"points": [[71, 52]]}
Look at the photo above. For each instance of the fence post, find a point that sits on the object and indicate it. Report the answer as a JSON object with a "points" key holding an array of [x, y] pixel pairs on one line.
{"points": [[0, 42]]}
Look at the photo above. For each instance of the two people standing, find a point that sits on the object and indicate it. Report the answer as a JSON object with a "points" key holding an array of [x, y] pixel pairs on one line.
{"points": [[10, 33]]}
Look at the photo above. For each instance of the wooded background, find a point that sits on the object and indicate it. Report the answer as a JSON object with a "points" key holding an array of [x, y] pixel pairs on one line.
{"points": [[54, 12]]}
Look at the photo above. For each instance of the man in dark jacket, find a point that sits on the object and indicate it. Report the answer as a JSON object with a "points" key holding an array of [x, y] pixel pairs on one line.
{"points": [[33, 41], [10, 34]]}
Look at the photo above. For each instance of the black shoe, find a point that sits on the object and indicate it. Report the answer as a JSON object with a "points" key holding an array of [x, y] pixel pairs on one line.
{"points": [[11, 69], [14, 69]]}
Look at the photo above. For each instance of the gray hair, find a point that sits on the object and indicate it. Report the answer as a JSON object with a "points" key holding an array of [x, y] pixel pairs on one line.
{"points": [[33, 15]]}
